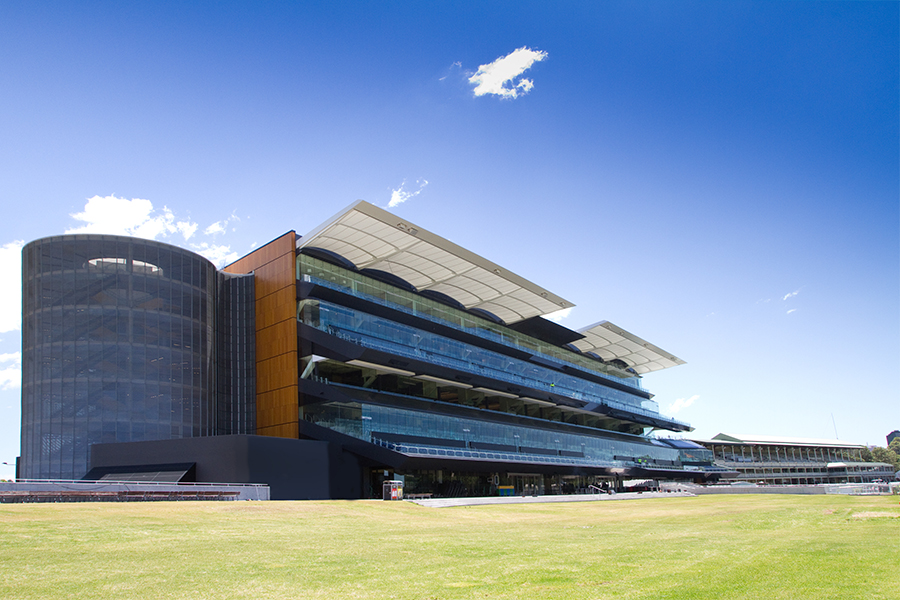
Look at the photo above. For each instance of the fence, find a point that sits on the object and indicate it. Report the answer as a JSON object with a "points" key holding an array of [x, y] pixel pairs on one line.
{"points": [[59, 490]]}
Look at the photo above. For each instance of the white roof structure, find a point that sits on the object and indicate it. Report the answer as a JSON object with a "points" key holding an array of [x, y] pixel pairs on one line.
{"points": [[373, 238], [780, 441], [610, 341]]}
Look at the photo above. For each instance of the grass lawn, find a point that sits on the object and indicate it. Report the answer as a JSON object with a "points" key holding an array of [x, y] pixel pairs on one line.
{"points": [[710, 547]]}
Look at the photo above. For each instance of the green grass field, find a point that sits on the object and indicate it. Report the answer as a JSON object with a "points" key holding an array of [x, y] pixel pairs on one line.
{"points": [[742, 546]]}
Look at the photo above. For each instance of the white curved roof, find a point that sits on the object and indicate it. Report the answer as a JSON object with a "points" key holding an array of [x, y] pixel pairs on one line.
{"points": [[610, 341], [373, 238]]}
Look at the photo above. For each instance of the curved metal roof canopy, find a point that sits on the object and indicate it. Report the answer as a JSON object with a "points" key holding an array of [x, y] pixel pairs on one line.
{"points": [[611, 341], [373, 238]]}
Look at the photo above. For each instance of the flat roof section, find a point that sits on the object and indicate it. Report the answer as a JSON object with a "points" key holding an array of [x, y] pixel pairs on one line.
{"points": [[610, 341], [373, 238]]}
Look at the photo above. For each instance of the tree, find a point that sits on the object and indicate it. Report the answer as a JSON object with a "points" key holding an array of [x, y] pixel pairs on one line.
{"points": [[895, 445], [886, 455]]}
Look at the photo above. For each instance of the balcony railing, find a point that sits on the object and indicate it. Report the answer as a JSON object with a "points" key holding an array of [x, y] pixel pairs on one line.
{"points": [[560, 386], [510, 339]]}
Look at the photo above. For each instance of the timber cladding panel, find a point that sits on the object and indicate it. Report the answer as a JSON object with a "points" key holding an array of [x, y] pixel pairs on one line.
{"points": [[277, 375]]}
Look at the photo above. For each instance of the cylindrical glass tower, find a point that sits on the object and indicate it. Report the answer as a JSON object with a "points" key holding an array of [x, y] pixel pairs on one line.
{"points": [[117, 346]]}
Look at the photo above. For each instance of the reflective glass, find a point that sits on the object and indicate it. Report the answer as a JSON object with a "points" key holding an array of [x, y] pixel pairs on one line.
{"points": [[329, 275], [430, 432], [401, 340], [112, 319]]}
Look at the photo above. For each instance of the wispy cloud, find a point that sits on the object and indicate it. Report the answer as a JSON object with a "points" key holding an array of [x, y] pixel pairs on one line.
{"points": [[11, 298], [681, 403], [559, 315], [791, 295], [499, 77], [11, 375], [221, 226], [138, 218], [218, 254], [792, 310], [454, 67], [400, 195]]}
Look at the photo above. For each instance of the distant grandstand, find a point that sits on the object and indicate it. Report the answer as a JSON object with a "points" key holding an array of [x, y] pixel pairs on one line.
{"points": [[794, 461]]}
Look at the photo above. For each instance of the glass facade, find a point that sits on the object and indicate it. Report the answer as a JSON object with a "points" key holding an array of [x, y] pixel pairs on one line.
{"points": [[236, 354], [118, 345], [326, 274], [402, 340], [432, 418], [431, 433]]}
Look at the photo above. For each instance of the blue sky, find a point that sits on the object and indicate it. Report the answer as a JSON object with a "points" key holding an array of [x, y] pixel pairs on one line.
{"points": [[719, 178]]}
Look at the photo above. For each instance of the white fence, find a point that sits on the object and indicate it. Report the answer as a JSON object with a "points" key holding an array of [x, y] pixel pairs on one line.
{"points": [[858, 489], [58, 490]]}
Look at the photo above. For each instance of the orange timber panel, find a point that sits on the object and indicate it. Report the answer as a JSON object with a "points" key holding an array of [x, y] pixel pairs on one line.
{"points": [[274, 276], [274, 269], [276, 372], [276, 308], [275, 340], [274, 409]]}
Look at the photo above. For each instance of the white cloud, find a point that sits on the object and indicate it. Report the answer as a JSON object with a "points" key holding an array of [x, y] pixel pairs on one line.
{"points": [[11, 298], [11, 376], [135, 217], [185, 228], [400, 195], [138, 218], [558, 315], [220, 226], [107, 215], [219, 255], [792, 310], [682, 403], [791, 295], [494, 78], [217, 227]]}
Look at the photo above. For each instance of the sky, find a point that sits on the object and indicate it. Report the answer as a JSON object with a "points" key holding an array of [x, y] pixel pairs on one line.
{"points": [[718, 178]]}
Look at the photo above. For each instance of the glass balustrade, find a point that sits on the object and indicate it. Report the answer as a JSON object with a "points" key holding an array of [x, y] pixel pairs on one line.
{"points": [[402, 340], [431, 433], [331, 276]]}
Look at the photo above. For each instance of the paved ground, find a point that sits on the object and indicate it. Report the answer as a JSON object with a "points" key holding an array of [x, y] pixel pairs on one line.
{"points": [[442, 502]]}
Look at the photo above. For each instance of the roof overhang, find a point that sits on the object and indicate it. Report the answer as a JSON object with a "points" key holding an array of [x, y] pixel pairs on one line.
{"points": [[373, 238], [610, 342]]}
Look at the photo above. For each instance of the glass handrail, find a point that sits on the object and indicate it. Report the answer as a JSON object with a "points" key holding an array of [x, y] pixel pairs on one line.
{"points": [[334, 277], [394, 338]]}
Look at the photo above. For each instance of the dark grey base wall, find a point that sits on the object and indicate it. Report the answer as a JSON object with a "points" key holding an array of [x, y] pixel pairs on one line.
{"points": [[293, 469]]}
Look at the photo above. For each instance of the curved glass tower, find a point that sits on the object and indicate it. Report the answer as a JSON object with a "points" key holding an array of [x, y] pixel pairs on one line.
{"points": [[118, 345]]}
